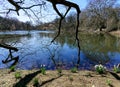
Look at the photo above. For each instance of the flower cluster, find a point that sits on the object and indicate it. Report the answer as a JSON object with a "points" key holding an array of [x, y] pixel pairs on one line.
{"points": [[43, 65], [100, 69], [43, 69]]}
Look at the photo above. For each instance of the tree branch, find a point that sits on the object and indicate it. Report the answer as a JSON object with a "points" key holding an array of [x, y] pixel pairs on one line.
{"points": [[18, 7], [69, 4], [60, 22], [8, 47]]}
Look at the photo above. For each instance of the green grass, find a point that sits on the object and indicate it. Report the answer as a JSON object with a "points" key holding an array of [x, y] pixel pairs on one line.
{"points": [[18, 75], [59, 71], [74, 70], [108, 82], [12, 68], [43, 70], [116, 69], [36, 82]]}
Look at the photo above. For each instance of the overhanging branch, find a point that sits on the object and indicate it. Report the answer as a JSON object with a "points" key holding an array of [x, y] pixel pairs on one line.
{"points": [[68, 4], [18, 7]]}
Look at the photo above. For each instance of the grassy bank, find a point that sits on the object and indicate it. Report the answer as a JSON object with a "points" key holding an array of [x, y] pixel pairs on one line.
{"points": [[66, 78]]}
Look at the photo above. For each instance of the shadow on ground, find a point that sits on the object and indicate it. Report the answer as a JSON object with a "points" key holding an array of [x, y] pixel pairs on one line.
{"points": [[24, 81]]}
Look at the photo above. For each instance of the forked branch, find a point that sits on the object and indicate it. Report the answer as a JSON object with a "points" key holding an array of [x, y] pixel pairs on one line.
{"points": [[69, 5]]}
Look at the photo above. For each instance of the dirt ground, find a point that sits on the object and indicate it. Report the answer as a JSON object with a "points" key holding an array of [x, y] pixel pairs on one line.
{"points": [[53, 79]]}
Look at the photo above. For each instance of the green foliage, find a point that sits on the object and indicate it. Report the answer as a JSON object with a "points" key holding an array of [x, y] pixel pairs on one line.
{"points": [[71, 79], [100, 69], [17, 75], [43, 70], [74, 70], [59, 71], [108, 82], [116, 69], [12, 68], [35, 82]]}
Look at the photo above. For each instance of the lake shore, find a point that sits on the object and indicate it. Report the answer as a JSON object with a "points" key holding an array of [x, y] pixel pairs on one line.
{"points": [[83, 78], [115, 33]]}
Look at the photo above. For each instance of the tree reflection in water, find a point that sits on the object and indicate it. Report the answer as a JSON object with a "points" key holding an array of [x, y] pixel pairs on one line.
{"points": [[10, 57], [36, 49]]}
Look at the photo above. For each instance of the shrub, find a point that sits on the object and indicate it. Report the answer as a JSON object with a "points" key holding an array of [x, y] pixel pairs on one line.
{"points": [[74, 70], [100, 69], [17, 75], [109, 82], [59, 71], [43, 70], [71, 79], [35, 82], [12, 68], [116, 69]]}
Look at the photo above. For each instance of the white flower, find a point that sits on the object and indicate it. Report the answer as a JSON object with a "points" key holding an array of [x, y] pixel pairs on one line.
{"points": [[105, 68], [101, 66], [114, 65], [43, 65], [118, 66], [96, 66]]}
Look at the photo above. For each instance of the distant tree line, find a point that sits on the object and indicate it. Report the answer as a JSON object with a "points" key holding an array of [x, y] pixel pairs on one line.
{"points": [[14, 24], [67, 23], [99, 15]]}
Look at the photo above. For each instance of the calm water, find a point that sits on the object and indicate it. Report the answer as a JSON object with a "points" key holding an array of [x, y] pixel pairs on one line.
{"points": [[36, 49]]}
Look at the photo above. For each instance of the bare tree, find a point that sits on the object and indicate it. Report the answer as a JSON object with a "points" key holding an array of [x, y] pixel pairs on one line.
{"points": [[99, 12]]}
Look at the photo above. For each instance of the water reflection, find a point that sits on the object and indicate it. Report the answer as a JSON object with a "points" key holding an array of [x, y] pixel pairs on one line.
{"points": [[35, 49], [10, 57]]}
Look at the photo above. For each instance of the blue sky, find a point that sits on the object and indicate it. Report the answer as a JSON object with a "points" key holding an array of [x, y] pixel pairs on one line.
{"points": [[82, 3], [50, 14], [47, 15]]}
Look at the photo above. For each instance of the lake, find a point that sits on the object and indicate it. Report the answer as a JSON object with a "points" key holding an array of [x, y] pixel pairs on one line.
{"points": [[36, 49]]}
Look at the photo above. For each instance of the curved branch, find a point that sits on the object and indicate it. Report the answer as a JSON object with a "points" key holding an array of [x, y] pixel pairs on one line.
{"points": [[16, 6], [60, 22], [70, 4], [55, 8]]}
